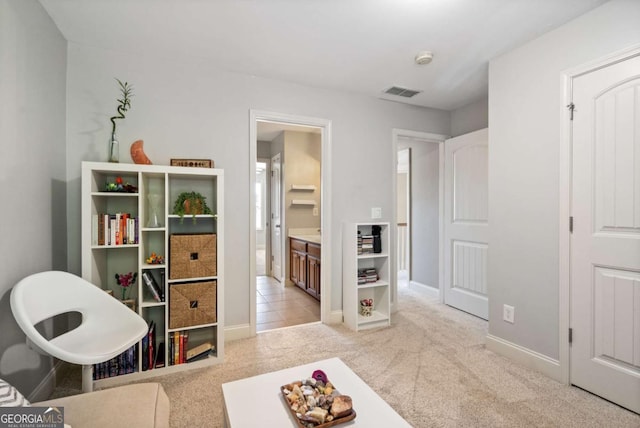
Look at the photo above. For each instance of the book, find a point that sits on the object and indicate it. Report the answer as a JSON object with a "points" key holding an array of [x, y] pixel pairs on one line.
{"points": [[152, 344], [170, 353], [163, 284], [94, 229], [199, 351], [159, 360], [145, 352], [176, 347], [152, 285], [185, 341]]}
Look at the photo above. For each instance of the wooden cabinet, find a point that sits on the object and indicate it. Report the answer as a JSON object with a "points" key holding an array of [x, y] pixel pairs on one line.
{"points": [[305, 265], [313, 270]]}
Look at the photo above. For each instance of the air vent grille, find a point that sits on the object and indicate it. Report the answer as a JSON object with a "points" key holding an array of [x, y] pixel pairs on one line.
{"points": [[401, 92]]}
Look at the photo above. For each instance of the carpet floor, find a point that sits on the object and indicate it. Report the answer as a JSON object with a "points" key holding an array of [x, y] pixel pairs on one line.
{"points": [[431, 366]]}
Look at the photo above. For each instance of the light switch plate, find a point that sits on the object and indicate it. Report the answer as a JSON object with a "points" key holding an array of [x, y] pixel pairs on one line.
{"points": [[376, 212]]}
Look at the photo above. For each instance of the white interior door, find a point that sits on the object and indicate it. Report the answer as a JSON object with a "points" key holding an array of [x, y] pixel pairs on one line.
{"points": [[605, 244], [276, 207], [466, 223]]}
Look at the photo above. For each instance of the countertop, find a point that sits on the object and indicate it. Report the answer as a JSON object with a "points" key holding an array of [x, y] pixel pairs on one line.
{"points": [[314, 239]]}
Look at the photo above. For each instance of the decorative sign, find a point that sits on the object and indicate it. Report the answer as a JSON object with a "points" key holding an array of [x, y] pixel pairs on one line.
{"points": [[197, 163]]}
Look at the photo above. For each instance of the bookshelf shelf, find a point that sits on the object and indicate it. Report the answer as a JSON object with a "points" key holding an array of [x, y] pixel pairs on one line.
{"points": [[201, 278], [148, 220], [115, 194], [148, 266], [153, 229], [149, 304], [215, 324], [111, 247], [374, 284], [366, 274]]}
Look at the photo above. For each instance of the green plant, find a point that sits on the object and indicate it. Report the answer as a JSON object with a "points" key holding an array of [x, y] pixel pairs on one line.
{"points": [[124, 104], [190, 203]]}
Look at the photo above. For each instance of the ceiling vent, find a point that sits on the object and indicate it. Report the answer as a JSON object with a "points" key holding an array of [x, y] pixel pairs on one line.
{"points": [[401, 92]]}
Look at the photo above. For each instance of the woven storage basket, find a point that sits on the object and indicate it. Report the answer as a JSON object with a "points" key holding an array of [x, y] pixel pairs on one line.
{"points": [[192, 256], [192, 303]]}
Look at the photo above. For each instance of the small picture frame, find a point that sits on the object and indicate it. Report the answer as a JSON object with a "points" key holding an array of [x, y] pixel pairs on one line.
{"points": [[130, 303], [194, 163]]}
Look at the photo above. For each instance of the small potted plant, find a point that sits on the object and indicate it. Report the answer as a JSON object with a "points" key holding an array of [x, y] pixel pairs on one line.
{"points": [[192, 203], [124, 104]]}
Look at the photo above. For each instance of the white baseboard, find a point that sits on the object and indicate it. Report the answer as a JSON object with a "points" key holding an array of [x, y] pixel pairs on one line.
{"points": [[524, 356], [235, 332], [335, 317], [243, 331], [427, 290], [44, 389]]}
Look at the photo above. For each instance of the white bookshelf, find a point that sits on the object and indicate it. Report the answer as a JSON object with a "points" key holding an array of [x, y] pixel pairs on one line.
{"points": [[379, 291], [100, 263]]}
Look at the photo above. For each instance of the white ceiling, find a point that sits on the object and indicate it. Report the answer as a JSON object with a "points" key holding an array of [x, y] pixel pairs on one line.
{"points": [[363, 46]]}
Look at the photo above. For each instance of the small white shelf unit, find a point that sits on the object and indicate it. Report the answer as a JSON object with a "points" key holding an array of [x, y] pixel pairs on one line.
{"points": [[101, 262], [379, 291]]}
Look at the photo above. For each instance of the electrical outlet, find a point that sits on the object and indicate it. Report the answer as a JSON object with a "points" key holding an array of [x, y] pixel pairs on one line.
{"points": [[376, 212], [508, 313], [315, 211]]}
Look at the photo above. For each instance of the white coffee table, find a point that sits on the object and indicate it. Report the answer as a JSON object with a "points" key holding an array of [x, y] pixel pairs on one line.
{"points": [[258, 402]]}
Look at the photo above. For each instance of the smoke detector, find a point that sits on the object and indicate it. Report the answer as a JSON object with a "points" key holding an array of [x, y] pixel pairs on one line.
{"points": [[423, 57]]}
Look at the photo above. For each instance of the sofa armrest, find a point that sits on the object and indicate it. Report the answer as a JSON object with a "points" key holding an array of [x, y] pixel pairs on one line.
{"points": [[138, 405]]}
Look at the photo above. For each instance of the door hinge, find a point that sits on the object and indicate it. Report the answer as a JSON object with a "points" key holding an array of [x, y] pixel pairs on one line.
{"points": [[571, 224], [570, 335], [571, 108]]}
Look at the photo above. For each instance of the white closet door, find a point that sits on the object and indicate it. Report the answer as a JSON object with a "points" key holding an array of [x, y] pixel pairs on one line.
{"points": [[466, 223], [605, 244]]}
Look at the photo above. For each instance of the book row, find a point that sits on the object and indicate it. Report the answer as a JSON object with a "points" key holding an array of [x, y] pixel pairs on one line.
{"points": [[124, 363], [179, 352], [365, 244], [367, 275], [114, 229]]}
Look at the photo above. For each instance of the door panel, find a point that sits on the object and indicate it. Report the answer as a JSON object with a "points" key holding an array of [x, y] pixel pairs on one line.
{"points": [[466, 223], [605, 244]]}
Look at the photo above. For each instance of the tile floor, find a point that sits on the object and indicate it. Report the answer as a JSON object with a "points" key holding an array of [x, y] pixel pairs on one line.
{"points": [[278, 306]]}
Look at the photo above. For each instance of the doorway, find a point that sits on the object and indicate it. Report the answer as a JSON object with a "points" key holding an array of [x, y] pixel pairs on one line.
{"points": [[418, 184], [274, 301]]}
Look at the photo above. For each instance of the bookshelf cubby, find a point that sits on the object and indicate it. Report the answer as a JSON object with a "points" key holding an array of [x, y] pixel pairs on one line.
{"points": [[366, 275], [151, 226]]}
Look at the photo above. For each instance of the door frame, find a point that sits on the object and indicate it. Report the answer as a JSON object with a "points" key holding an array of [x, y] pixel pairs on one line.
{"points": [[280, 205], [408, 208], [427, 137], [325, 198], [267, 197], [565, 209]]}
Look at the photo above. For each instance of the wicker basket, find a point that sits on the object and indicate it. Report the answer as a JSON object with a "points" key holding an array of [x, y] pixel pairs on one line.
{"points": [[192, 303], [192, 256], [365, 311]]}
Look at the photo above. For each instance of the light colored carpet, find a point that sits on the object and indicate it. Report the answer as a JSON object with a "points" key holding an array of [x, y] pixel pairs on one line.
{"points": [[431, 366]]}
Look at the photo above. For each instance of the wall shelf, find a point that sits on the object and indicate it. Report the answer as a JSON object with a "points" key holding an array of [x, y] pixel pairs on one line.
{"points": [[303, 202], [303, 187]]}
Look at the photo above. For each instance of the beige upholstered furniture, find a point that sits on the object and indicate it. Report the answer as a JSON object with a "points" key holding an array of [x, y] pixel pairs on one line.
{"points": [[143, 405]]}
